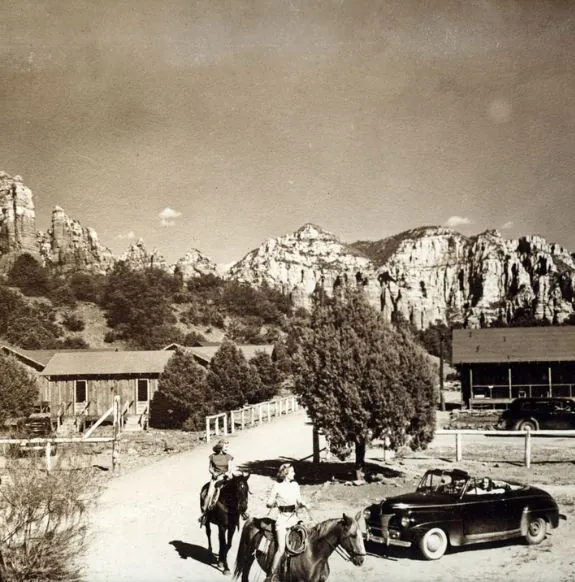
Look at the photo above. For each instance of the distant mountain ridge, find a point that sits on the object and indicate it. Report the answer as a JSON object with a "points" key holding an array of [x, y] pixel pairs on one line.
{"points": [[426, 274]]}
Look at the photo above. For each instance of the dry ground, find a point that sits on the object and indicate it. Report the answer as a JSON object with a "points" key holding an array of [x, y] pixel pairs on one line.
{"points": [[145, 527]]}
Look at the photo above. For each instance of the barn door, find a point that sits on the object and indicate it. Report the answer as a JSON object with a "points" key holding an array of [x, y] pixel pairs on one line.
{"points": [[80, 395]]}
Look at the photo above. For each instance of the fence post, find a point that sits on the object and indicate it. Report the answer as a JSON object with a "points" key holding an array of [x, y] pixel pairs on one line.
{"points": [[528, 448], [116, 441], [458, 448], [269, 414], [243, 419], [48, 456], [207, 429], [217, 425], [225, 424], [232, 422], [253, 420], [260, 412]]}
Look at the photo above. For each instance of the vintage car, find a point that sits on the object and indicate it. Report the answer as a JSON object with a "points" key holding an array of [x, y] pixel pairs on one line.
{"points": [[452, 508]]}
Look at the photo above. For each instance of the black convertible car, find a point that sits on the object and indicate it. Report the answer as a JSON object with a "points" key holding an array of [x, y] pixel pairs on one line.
{"points": [[450, 507]]}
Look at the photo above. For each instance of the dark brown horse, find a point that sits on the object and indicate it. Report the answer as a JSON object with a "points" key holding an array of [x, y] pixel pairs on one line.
{"points": [[311, 565], [225, 514]]}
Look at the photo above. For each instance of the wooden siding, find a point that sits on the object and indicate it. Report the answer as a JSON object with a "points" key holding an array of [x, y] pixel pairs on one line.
{"points": [[100, 392]]}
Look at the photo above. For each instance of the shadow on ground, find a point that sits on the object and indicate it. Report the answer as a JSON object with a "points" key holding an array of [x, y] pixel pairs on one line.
{"points": [[308, 473], [197, 553]]}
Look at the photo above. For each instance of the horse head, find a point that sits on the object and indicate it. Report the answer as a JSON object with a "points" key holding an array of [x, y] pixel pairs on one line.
{"points": [[242, 490], [351, 538]]}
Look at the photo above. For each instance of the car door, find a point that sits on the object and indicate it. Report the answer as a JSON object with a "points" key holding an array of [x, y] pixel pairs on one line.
{"points": [[483, 516]]}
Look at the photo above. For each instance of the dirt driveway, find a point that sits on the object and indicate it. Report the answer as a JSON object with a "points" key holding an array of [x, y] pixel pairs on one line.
{"points": [[145, 526]]}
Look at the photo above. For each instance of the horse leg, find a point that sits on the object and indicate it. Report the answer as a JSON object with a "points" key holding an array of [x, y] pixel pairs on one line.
{"points": [[209, 534], [223, 552]]}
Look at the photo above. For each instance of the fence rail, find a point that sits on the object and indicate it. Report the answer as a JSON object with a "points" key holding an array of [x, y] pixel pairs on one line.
{"points": [[528, 435], [229, 422]]}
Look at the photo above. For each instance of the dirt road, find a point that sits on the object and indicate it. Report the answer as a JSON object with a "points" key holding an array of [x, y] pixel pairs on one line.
{"points": [[145, 527]]}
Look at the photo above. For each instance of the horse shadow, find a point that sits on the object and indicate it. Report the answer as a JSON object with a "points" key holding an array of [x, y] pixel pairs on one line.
{"points": [[196, 553], [309, 473]]}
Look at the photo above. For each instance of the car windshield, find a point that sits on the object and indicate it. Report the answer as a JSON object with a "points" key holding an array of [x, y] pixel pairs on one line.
{"points": [[442, 482]]}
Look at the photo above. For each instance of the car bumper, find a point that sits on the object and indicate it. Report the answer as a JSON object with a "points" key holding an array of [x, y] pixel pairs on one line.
{"points": [[391, 539]]}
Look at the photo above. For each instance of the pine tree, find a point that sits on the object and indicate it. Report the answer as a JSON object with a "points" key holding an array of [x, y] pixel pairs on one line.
{"points": [[360, 378], [183, 395], [268, 375], [18, 390]]}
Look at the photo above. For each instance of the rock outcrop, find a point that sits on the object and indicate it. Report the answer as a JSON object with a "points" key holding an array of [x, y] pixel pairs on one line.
{"points": [[138, 258], [427, 275], [17, 220], [196, 264], [67, 246]]}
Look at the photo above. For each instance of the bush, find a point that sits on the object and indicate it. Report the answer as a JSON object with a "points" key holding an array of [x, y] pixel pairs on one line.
{"points": [[29, 276], [43, 519], [18, 389], [72, 322]]}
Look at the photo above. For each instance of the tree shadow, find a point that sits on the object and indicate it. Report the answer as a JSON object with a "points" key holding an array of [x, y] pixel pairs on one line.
{"points": [[196, 553], [309, 473]]}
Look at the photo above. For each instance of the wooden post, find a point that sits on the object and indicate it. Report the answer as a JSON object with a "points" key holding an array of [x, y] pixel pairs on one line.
{"points": [[528, 448], [441, 394], [48, 456], [260, 412], [243, 419], [225, 424], [458, 448], [253, 414], [315, 445], [216, 425], [207, 429], [269, 412], [116, 441], [232, 422]]}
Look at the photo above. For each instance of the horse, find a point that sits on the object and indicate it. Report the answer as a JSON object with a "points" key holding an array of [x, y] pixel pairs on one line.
{"points": [[225, 514], [311, 564]]}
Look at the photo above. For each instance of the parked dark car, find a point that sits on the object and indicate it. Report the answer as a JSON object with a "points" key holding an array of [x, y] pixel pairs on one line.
{"points": [[452, 508], [538, 413], [38, 425]]}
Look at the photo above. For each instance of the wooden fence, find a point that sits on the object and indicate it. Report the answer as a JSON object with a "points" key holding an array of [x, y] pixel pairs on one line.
{"points": [[229, 422], [528, 436]]}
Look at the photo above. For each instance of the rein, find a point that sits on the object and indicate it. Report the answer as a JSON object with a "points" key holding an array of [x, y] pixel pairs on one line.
{"points": [[343, 552]]}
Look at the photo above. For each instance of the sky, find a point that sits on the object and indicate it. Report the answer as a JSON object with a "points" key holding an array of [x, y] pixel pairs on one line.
{"points": [[218, 124]]}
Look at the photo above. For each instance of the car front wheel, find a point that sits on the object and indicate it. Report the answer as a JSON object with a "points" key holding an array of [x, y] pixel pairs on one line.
{"points": [[433, 544], [536, 531]]}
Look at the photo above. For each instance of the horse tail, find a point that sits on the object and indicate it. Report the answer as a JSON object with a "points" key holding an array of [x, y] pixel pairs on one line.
{"points": [[249, 542]]}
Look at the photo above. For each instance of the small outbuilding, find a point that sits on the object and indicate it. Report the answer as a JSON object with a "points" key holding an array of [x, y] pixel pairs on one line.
{"points": [[497, 365]]}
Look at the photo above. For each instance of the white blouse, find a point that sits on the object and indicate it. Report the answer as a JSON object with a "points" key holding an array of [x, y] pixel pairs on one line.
{"points": [[284, 493]]}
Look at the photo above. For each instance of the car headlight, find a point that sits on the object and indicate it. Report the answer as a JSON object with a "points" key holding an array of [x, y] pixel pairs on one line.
{"points": [[366, 514], [405, 521]]}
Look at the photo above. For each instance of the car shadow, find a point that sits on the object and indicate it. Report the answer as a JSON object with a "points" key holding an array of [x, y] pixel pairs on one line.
{"points": [[309, 473], [194, 552]]}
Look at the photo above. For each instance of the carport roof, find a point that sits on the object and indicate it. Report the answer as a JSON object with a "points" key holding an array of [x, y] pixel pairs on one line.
{"points": [[107, 363], [514, 344]]}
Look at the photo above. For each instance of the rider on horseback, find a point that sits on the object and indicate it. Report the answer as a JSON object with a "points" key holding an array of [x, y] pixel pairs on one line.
{"points": [[285, 495], [221, 469]]}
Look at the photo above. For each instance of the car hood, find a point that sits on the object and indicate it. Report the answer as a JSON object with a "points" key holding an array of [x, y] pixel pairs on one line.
{"points": [[412, 500]]}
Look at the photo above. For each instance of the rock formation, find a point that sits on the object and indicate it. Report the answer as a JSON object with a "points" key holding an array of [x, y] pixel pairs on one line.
{"points": [[195, 264], [138, 258]]}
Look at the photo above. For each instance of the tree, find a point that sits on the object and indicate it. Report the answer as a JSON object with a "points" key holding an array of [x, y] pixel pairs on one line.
{"points": [[183, 395], [359, 378], [18, 390], [233, 382], [30, 276], [269, 377]]}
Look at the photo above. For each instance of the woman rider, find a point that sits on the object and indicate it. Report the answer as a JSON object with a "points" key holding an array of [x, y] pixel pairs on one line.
{"points": [[285, 495]]}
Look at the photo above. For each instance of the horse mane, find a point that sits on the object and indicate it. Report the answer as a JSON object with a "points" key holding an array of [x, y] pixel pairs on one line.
{"points": [[323, 528]]}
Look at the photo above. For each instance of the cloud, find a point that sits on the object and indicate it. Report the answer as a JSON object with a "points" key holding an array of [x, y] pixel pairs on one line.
{"points": [[123, 235], [457, 221], [507, 225], [167, 215]]}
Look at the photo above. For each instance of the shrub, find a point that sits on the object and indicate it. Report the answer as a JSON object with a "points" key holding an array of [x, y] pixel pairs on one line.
{"points": [[43, 519], [18, 389], [29, 276], [72, 322]]}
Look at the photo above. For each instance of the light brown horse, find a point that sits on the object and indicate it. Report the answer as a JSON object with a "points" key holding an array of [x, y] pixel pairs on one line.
{"points": [[311, 565]]}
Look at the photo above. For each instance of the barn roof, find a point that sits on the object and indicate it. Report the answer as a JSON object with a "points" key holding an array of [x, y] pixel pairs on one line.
{"points": [[514, 344], [107, 363], [206, 353]]}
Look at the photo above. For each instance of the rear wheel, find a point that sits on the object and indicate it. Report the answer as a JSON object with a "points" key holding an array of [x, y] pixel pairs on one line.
{"points": [[433, 544], [536, 530], [529, 424]]}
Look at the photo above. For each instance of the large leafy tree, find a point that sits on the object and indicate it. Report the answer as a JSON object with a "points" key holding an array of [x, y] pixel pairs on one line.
{"points": [[270, 377], [183, 395], [18, 389], [30, 276], [359, 377]]}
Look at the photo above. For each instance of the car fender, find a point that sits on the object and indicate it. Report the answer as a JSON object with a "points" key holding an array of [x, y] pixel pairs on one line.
{"points": [[452, 527], [547, 515]]}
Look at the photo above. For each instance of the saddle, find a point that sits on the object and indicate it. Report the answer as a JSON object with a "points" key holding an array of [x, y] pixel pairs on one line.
{"points": [[296, 539]]}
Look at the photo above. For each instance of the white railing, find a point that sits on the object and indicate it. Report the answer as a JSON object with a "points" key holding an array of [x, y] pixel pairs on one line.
{"points": [[252, 415], [526, 434]]}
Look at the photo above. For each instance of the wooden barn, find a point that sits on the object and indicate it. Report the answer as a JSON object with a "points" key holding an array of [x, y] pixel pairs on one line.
{"points": [[203, 354], [500, 364], [82, 385]]}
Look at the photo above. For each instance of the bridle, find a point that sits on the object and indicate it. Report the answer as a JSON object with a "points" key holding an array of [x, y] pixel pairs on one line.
{"points": [[344, 553]]}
